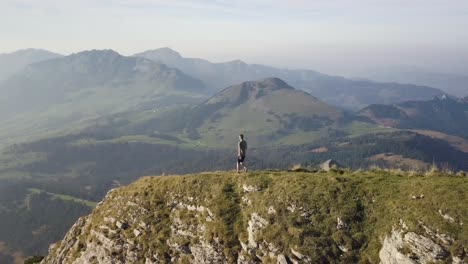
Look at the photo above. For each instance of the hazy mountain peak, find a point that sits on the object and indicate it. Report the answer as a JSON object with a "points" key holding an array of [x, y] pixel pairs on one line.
{"points": [[237, 62], [167, 50], [31, 52], [252, 89], [88, 61], [95, 52], [268, 104], [335, 90], [274, 82], [11, 63], [264, 85], [131, 81], [162, 53]]}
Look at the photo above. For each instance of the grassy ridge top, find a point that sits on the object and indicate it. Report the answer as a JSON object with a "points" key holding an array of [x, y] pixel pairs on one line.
{"points": [[301, 209]]}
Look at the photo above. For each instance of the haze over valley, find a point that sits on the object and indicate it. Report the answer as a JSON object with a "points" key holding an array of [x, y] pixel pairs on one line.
{"points": [[120, 124]]}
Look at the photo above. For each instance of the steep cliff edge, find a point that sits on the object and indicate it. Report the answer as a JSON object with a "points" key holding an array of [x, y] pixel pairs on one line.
{"points": [[275, 217]]}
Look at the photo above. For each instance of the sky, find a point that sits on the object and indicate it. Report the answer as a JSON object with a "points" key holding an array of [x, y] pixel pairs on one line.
{"points": [[343, 37]]}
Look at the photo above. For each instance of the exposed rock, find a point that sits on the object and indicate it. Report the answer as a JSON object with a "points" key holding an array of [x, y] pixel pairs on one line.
{"points": [[58, 253], [410, 248], [457, 260], [403, 224], [300, 256], [291, 208], [271, 210], [170, 227], [143, 225], [340, 224], [256, 223], [281, 259], [446, 217], [329, 165], [246, 200], [136, 232], [109, 219], [249, 188], [208, 253], [343, 248]]}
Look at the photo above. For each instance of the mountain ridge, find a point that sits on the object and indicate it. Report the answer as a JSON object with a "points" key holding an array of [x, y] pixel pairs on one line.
{"points": [[11, 63], [451, 83], [272, 216], [335, 90], [54, 94], [443, 114], [267, 110]]}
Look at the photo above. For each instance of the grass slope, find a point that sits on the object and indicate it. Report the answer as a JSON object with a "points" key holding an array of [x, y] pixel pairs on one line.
{"points": [[307, 207]]}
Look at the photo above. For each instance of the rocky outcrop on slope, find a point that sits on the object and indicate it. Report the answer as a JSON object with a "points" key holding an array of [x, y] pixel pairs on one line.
{"points": [[268, 217], [125, 238], [406, 247]]}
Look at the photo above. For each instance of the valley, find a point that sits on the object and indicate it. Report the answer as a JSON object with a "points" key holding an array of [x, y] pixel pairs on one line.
{"points": [[248, 132], [96, 120]]}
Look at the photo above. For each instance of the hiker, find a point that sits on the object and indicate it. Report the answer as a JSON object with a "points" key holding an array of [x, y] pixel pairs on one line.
{"points": [[241, 150]]}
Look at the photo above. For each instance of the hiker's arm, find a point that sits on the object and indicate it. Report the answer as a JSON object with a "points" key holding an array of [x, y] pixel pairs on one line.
{"points": [[238, 149]]}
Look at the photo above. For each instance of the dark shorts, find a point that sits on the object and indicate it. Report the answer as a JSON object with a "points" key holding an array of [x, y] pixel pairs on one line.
{"points": [[240, 159]]}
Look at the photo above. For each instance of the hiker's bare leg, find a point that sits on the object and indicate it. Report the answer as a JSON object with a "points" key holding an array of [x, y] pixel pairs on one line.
{"points": [[245, 167], [237, 167]]}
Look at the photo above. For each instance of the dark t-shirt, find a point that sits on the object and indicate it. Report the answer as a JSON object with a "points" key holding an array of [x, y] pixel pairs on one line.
{"points": [[242, 147]]}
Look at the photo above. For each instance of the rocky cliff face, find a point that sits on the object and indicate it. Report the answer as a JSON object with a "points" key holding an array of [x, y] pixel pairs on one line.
{"points": [[405, 247], [259, 218]]}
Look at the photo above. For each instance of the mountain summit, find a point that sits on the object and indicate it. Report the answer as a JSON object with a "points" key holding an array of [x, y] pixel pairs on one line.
{"points": [[273, 217], [267, 110], [251, 90], [162, 54], [87, 75], [11, 63]]}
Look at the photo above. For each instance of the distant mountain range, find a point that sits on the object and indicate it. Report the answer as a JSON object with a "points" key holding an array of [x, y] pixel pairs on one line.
{"points": [[456, 84], [79, 78], [338, 91], [167, 127], [94, 120], [57, 92], [444, 114], [10, 63], [268, 110], [68, 92]]}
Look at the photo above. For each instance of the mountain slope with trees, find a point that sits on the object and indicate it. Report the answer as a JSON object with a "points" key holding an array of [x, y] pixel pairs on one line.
{"points": [[444, 114]]}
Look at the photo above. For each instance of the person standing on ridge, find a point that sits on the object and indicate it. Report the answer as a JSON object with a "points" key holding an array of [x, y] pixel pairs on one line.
{"points": [[241, 150]]}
